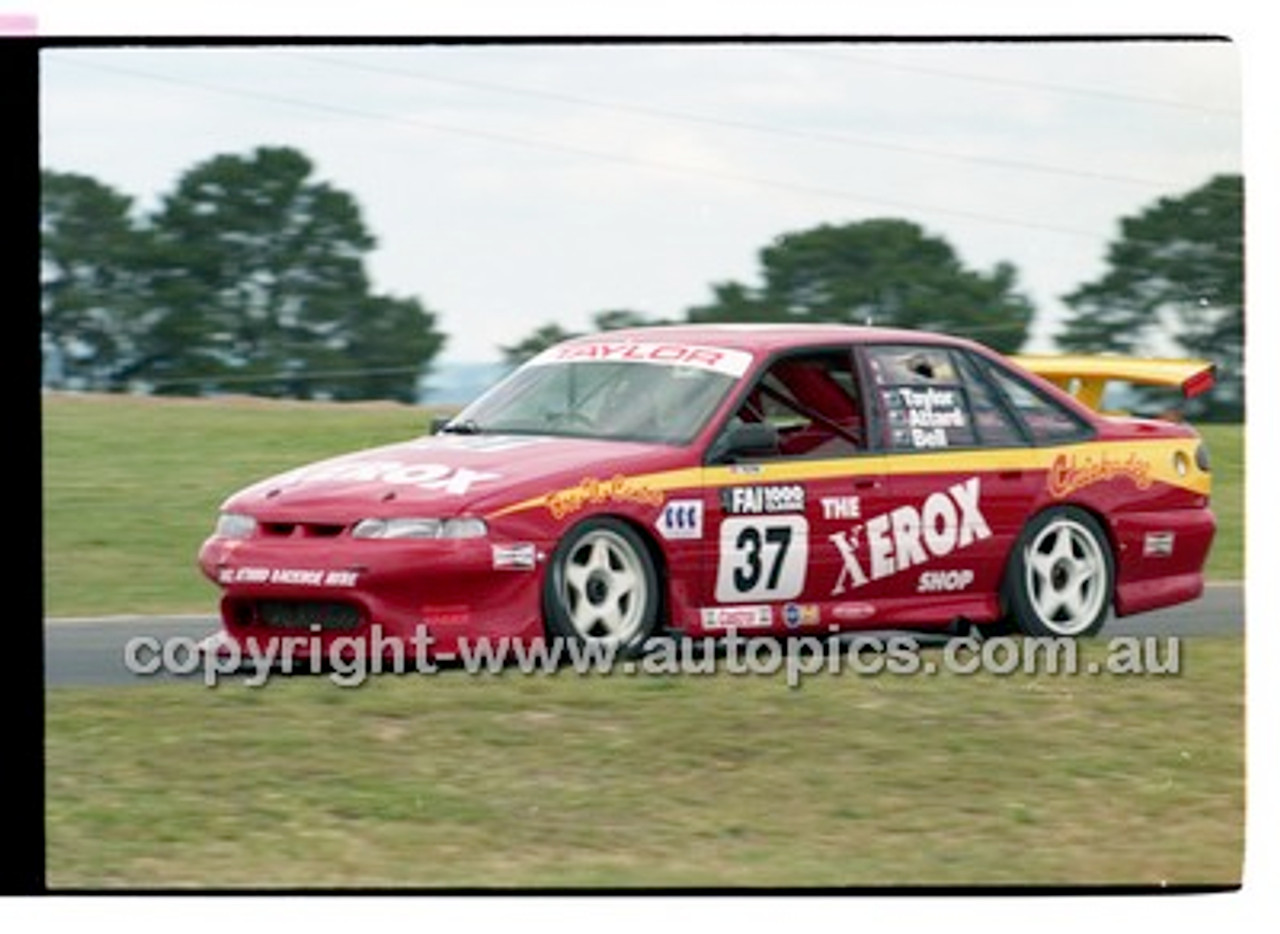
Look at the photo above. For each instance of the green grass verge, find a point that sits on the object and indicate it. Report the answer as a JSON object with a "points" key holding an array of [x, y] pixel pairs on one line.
{"points": [[527, 781], [131, 487], [1226, 455]]}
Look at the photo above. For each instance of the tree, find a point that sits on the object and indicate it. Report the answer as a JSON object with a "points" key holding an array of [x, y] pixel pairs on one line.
{"points": [[885, 272], [259, 285], [383, 360], [616, 319], [1177, 270], [548, 335], [91, 288], [533, 344], [733, 301], [250, 278]]}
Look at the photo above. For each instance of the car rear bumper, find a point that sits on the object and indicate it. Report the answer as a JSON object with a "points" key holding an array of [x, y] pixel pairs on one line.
{"points": [[1160, 557]]}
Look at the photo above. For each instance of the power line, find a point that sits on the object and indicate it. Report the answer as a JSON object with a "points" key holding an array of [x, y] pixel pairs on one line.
{"points": [[839, 139], [617, 158], [1020, 83]]}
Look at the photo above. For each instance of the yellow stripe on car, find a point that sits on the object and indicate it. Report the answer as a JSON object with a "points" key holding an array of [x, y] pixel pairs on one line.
{"points": [[1069, 467]]}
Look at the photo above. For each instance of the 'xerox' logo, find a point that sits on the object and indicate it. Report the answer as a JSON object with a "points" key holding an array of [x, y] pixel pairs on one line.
{"points": [[907, 536]]}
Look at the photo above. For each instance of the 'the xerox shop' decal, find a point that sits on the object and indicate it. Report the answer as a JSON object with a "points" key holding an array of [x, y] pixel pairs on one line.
{"points": [[944, 581], [841, 507], [762, 558], [906, 536]]}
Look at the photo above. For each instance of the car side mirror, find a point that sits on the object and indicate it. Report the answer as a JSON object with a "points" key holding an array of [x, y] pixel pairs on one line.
{"points": [[437, 423], [746, 440]]}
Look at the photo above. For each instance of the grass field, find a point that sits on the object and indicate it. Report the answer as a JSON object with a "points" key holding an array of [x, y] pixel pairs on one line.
{"points": [[131, 487], [524, 781], [1226, 452]]}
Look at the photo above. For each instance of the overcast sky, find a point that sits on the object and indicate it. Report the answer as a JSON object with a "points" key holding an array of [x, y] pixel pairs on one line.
{"points": [[509, 186]]}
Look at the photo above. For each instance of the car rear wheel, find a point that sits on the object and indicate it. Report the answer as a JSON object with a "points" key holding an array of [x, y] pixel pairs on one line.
{"points": [[602, 587], [1061, 576]]}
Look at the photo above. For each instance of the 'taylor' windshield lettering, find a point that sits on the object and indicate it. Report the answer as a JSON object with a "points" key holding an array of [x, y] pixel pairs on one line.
{"points": [[907, 536]]}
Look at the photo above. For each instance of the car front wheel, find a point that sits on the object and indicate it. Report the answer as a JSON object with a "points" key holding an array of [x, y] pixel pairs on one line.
{"points": [[1061, 575], [602, 587]]}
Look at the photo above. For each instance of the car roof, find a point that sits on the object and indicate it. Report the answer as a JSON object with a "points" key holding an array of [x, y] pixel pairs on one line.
{"points": [[767, 338]]}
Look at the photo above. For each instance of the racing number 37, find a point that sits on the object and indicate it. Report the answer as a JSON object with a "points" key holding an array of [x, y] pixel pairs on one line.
{"points": [[762, 558]]}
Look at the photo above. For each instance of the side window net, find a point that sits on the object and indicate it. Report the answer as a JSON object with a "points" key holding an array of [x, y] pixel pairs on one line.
{"points": [[812, 401]]}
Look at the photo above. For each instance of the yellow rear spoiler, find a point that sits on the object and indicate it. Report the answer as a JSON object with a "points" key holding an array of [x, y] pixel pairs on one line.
{"points": [[1086, 376]]}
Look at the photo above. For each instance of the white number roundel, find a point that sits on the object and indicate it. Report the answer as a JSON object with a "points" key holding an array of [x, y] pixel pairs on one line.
{"points": [[762, 558]]}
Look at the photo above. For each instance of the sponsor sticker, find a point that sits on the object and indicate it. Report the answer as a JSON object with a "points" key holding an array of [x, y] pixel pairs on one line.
{"points": [[296, 577], [853, 612], [713, 359], [737, 617], [445, 615], [1069, 473], [681, 519], [618, 489], [762, 500], [944, 581], [521, 557], [795, 615], [893, 541], [841, 507]]}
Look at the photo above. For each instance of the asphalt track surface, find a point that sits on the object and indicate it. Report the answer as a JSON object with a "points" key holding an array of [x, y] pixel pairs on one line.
{"points": [[91, 651]]}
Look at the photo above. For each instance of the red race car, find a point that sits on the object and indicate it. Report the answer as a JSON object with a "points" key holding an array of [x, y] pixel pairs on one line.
{"points": [[702, 480]]}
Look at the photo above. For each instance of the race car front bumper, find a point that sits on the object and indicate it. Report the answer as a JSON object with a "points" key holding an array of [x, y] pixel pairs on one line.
{"points": [[373, 594]]}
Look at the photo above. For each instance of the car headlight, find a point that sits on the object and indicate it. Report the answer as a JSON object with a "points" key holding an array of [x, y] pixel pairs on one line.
{"points": [[465, 527], [234, 525]]}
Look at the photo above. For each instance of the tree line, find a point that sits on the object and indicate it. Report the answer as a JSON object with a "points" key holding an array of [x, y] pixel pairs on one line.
{"points": [[250, 277]]}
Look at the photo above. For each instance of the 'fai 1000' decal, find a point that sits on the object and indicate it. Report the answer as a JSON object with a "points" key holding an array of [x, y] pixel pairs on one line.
{"points": [[906, 536]]}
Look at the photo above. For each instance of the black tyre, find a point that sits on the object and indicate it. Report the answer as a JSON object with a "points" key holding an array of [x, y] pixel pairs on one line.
{"points": [[1061, 575], [602, 587]]}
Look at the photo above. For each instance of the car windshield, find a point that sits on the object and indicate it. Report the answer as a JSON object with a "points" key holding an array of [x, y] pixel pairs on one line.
{"points": [[614, 399]]}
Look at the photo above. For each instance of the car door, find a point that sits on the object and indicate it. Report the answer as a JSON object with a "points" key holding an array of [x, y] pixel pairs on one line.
{"points": [[958, 480], [786, 524]]}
